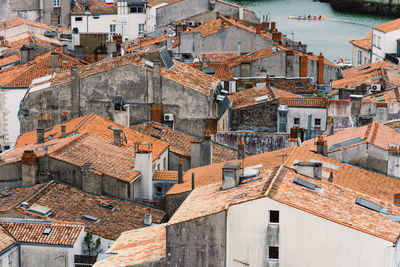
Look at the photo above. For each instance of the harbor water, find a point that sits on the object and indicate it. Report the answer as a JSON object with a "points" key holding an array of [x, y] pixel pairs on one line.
{"points": [[330, 36]]}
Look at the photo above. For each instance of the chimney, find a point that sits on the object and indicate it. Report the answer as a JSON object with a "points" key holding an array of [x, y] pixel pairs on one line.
{"points": [[320, 144], [330, 178], [192, 181], [111, 49], [201, 153], [157, 88], [117, 136], [309, 169], [25, 54], [75, 92], [65, 49], [230, 175], [320, 69], [180, 172], [276, 37], [217, 15], [222, 26], [330, 127], [169, 45], [241, 9], [211, 4], [78, 50], [265, 26], [144, 165], [267, 81], [40, 135], [397, 199], [396, 93], [90, 181], [63, 131], [290, 63], [258, 29], [126, 43], [29, 168], [53, 61], [273, 26], [241, 149], [393, 168], [147, 219], [303, 66]]}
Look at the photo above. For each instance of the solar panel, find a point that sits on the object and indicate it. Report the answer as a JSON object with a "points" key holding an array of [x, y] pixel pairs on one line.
{"points": [[304, 183], [166, 58], [346, 143], [368, 204]]}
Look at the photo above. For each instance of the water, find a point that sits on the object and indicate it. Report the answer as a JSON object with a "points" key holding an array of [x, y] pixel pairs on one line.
{"points": [[331, 36]]}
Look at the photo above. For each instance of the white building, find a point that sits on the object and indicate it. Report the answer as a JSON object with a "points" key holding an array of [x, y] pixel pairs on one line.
{"points": [[361, 53], [384, 42], [124, 17]]}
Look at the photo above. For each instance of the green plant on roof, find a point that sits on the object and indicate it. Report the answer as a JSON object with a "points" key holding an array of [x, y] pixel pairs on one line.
{"points": [[319, 93], [248, 85]]}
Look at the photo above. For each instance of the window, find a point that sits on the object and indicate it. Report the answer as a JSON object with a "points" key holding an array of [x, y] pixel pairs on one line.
{"points": [[159, 189], [136, 9], [317, 122], [141, 29], [56, 3], [78, 18], [10, 259], [273, 253], [379, 41], [296, 121], [165, 163], [158, 166], [359, 56], [112, 30], [274, 216], [96, 17]]}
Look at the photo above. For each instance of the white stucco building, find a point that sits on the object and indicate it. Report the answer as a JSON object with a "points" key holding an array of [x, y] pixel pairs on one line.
{"points": [[124, 17], [384, 41]]}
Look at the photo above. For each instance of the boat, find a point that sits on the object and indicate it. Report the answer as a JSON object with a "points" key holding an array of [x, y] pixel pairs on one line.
{"points": [[306, 18]]}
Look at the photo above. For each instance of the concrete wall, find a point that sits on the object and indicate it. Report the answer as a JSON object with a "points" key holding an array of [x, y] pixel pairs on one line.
{"points": [[10, 258], [365, 56], [46, 256], [135, 85], [198, 242], [377, 7], [341, 112], [303, 239], [261, 117], [174, 201], [255, 143], [230, 10], [10, 175], [173, 161], [302, 113]]}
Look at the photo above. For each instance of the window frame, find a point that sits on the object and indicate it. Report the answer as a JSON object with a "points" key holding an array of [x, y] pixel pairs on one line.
{"points": [[79, 19], [269, 253], [140, 29], [56, 3], [270, 216], [112, 27], [315, 122], [294, 121]]}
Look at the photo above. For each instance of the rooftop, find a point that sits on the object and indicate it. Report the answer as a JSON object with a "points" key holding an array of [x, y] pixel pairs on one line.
{"points": [[384, 97], [315, 102], [93, 7], [31, 231], [14, 22], [6, 240], [137, 246], [180, 141], [166, 176], [389, 26], [115, 215], [364, 43], [249, 97]]}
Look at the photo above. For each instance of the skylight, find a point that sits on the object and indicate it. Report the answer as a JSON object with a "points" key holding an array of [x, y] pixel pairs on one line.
{"points": [[307, 184], [370, 205]]}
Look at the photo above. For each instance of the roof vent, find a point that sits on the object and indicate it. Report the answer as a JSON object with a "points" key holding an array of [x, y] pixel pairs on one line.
{"points": [[251, 171], [25, 205], [107, 205], [4, 193], [147, 219], [230, 175], [261, 98], [39, 209], [307, 184], [370, 205], [47, 231], [90, 218], [309, 169]]}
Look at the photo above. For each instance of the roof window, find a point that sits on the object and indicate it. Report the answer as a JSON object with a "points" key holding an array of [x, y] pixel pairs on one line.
{"points": [[47, 231], [307, 184], [370, 205], [107, 205], [90, 218]]}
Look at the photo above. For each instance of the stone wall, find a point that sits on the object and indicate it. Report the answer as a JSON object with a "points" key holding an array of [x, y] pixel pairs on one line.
{"points": [[376, 7], [10, 175], [174, 201]]}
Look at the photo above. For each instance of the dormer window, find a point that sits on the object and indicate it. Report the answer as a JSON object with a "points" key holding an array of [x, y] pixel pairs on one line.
{"points": [[230, 175]]}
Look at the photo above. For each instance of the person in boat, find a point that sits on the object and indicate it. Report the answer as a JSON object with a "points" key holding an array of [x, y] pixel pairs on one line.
{"points": [[319, 17], [309, 16]]}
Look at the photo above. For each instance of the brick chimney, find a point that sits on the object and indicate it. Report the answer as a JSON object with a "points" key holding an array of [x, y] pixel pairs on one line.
{"points": [[241, 149], [201, 153], [273, 26], [396, 93], [265, 26], [330, 127], [320, 69], [322, 147], [330, 178], [276, 37], [258, 29], [303, 66], [75, 92], [180, 172], [29, 168]]}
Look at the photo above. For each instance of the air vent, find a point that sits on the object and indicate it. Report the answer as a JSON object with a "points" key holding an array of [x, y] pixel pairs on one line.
{"points": [[39, 209], [304, 183], [107, 205], [90, 218]]}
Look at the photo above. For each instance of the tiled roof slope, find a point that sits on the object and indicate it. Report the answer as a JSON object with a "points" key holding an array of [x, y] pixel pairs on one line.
{"points": [[30, 37], [296, 86], [17, 195], [6, 240], [7, 24], [180, 73], [166, 175], [10, 59], [246, 98], [31, 232], [335, 203], [94, 6], [389, 26], [374, 133], [315, 102], [213, 173], [364, 43], [180, 141], [137, 246], [152, 3], [388, 96], [126, 215], [22, 75]]}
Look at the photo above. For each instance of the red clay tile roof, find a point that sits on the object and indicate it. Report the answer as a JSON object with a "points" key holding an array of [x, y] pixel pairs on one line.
{"points": [[383, 97], [152, 3], [316, 102], [166, 175], [137, 246], [95, 7], [389, 26], [19, 21], [180, 141], [126, 215], [22, 75], [284, 93], [144, 42], [374, 133], [10, 59], [31, 231], [364, 43], [216, 57], [30, 37], [212, 173], [296, 86], [17, 196], [246, 98], [180, 73], [6, 240], [335, 203]]}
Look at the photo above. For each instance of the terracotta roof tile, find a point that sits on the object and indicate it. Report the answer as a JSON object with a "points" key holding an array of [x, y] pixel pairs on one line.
{"points": [[246, 97], [363, 43], [284, 93], [388, 96], [126, 214], [31, 231], [180, 141], [316, 102], [153, 3], [216, 57], [7, 24], [94, 7], [296, 86], [6, 240], [137, 246], [10, 59], [17, 195], [374, 133], [389, 26], [166, 175]]}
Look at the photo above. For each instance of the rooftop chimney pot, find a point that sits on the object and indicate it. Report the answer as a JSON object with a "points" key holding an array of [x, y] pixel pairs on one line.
{"points": [[147, 219]]}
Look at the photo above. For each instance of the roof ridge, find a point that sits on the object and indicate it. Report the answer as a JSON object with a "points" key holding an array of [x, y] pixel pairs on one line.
{"points": [[39, 194]]}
